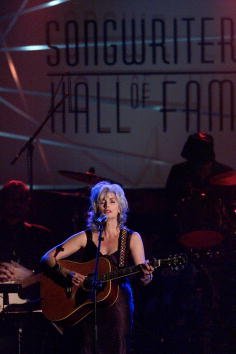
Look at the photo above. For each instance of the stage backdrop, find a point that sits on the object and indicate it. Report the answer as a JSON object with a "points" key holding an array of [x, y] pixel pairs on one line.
{"points": [[114, 85]]}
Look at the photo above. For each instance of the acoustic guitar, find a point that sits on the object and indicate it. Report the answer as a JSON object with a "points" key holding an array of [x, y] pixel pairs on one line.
{"points": [[68, 305]]}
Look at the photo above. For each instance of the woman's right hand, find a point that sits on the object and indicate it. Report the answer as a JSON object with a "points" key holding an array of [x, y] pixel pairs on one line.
{"points": [[77, 279]]}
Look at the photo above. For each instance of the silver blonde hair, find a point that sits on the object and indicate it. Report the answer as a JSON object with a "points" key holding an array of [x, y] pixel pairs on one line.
{"points": [[105, 187]]}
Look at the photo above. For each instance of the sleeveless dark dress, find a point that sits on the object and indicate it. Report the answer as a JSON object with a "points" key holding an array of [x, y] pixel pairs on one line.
{"points": [[114, 323]]}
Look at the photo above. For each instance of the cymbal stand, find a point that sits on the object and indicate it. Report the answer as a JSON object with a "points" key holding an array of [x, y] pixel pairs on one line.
{"points": [[5, 299], [19, 339], [29, 145]]}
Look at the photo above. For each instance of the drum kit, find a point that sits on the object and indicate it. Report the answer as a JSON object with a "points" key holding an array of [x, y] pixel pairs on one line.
{"points": [[206, 222]]}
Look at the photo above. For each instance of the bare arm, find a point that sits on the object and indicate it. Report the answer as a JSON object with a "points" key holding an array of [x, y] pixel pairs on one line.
{"points": [[138, 254], [64, 250]]}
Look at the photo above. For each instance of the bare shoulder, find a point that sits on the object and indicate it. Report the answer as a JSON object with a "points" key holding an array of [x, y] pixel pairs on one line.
{"points": [[137, 248], [135, 234], [135, 238]]}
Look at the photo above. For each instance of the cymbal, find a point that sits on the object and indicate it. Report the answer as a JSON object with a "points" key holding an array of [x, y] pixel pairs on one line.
{"points": [[70, 194], [87, 177], [224, 179]]}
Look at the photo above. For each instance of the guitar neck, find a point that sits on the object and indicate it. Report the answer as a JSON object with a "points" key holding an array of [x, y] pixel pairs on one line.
{"points": [[131, 270], [120, 273]]}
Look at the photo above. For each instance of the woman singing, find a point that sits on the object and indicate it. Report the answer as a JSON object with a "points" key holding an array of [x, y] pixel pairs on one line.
{"points": [[122, 247]]}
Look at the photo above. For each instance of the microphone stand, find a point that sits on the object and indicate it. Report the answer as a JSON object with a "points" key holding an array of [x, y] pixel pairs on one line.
{"points": [[30, 146], [95, 286]]}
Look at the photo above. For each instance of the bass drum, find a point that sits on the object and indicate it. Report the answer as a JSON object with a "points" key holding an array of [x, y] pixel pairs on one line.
{"points": [[200, 220]]}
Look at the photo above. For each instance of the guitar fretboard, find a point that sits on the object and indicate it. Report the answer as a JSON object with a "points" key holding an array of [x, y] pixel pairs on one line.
{"points": [[120, 273], [175, 262], [132, 270]]}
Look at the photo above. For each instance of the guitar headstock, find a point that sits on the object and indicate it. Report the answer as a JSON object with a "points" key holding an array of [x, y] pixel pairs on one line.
{"points": [[176, 262]]}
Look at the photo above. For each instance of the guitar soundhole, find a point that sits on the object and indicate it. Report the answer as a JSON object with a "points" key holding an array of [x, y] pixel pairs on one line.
{"points": [[81, 296], [88, 283]]}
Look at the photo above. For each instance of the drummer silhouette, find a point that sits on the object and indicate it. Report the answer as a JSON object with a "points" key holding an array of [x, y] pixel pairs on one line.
{"points": [[197, 223], [193, 202]]}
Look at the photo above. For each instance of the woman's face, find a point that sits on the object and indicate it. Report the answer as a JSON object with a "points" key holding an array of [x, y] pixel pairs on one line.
{"points": [[108, 205]]}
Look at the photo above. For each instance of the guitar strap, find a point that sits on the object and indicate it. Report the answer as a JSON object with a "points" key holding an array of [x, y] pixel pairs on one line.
{"points": [[123, 247]]}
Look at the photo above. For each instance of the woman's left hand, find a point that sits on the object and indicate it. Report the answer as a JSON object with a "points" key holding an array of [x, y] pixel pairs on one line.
{"points": [[147, 270]]}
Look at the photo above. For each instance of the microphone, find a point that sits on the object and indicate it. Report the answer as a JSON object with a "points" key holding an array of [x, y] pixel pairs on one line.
{"points": [[101, 219]]}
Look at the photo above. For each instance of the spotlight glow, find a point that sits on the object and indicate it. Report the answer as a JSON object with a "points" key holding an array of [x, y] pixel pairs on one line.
{"points": [[46, 5], [36, 8], [41, 47]]}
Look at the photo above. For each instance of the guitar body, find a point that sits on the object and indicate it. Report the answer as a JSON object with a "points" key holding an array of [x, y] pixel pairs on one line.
{"points": [[66, 307]]}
